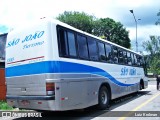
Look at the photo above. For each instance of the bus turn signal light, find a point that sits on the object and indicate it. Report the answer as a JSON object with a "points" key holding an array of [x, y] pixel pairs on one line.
{"points": [[50, 88]]}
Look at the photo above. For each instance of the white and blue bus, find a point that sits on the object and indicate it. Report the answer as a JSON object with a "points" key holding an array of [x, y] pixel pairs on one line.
{"points": [[53, 66]]}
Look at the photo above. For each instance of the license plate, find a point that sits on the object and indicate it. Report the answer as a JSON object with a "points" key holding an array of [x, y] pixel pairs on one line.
{"points": [[25, 102]]}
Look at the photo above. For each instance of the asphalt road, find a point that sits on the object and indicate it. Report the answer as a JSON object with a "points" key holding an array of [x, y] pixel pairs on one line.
{"points": [[143, 105]]}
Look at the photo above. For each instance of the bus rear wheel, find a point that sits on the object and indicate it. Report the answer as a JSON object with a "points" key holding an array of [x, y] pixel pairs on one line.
{"points": [[103, 98]]}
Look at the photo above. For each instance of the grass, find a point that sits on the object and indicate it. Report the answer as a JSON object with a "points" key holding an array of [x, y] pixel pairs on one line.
{"points": [[5, 106]]}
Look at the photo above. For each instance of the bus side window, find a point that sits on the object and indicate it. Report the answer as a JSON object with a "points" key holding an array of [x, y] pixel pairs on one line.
{"points": [[108, 53], [138, 61], [115, 54], [63, 43], [132, 59], [101, 49], [82, 47], [125, 57], [135, 60], [141, 61], [71, 44], [120, 56], [92, 48], [129, 58]]}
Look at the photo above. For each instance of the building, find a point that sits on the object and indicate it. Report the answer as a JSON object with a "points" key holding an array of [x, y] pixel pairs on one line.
{"points": [[3, 38]]}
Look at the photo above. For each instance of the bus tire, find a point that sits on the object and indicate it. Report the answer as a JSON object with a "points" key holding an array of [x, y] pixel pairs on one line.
{"points": [[141, 85], [103, 98]]}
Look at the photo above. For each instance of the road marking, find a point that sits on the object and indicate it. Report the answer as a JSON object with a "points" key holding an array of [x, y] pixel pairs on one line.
{"points": [[138, 107]]}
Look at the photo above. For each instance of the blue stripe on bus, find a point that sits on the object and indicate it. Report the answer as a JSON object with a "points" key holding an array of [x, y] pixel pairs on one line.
{"points": [[58, 67]]}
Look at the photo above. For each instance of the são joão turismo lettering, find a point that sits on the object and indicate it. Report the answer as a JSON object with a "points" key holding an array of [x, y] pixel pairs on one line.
{"points": [[30, 37]]}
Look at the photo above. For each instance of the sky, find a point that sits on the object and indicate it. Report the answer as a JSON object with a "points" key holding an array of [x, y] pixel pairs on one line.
{"points": [[16, 13]]}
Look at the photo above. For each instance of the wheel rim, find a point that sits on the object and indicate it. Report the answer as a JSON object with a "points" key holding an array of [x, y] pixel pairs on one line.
{"points": [[104, 97]]}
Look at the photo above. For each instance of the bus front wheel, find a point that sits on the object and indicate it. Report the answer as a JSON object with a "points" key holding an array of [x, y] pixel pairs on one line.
{"points": [[103, 98], [141, 85]]}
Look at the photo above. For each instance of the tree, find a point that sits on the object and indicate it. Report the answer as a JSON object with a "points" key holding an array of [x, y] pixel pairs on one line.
{"points": [[153, 45], [153, 59], [78, 20], [112, 31], [158, 21], [155, 64], [105, 28]]}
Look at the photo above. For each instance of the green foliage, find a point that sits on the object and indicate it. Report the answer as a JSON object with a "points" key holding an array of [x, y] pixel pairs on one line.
{"points": [[153, 47], [112, 31], [79, 20], [5, 106], [155, 64], [158, 21], [106, 27]]}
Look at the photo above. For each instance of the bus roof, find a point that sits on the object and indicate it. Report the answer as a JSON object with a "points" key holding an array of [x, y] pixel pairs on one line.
{"points": [[72, 28], [88, 34]]}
